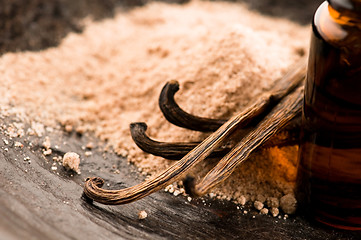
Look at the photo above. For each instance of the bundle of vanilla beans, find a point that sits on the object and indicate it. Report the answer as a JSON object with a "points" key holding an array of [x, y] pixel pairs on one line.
{"points": [[231, 140]]}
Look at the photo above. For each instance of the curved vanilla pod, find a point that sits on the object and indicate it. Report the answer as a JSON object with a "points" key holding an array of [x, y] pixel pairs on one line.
{"points": [[177, 116], [168, 150]]}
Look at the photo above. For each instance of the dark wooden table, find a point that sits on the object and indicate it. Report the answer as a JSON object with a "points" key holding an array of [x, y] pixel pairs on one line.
{"points": [[39, 203]]}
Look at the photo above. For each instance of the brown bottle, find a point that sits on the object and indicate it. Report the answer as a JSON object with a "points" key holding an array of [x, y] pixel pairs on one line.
{"points": [[329, 171]]}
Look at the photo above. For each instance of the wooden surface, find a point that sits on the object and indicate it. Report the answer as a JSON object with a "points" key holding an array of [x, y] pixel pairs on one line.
{"points": [[38, 203]]}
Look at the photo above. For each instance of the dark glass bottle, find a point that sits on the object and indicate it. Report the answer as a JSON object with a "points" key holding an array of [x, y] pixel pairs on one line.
{"points": [[329, 171]]}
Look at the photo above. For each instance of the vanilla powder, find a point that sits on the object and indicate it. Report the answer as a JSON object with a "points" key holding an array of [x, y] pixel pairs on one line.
{"points": [[223, 55]]}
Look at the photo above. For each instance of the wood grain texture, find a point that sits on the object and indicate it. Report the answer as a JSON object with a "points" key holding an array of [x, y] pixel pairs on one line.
{"points": [[39, 204]]}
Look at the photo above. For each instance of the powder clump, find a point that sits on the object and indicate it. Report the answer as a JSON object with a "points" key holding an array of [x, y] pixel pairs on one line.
{"points": [[71, 161], [142, 215], [288, 203]]}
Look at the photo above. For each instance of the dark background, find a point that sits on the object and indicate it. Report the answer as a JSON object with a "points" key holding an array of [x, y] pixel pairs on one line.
{"points": [[38, 24]]}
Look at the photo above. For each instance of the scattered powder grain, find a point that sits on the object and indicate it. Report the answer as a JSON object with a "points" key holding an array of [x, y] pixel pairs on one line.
{"points": [[18, 144], [288, 204], [242, 200], [272, 202], [47, 152], [258, 205], [54, 167], [142, 215], [71, 161], [223, 55], [68, 128], [275, 212], [90, 145], [47, 143], [88, 153], [264, 211]]}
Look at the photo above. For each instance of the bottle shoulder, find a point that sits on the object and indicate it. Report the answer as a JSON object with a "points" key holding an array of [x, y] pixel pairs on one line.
{"points": [[335, 27]]}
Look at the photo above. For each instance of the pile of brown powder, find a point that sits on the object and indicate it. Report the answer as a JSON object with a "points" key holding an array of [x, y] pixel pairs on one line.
{"points": [[101, 80]]}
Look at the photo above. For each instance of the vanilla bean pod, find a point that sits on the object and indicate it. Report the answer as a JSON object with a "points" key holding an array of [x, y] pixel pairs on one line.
{"points": [[177, 116], [171, 151], [282, 114], [174, 114], [177, 150]]}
